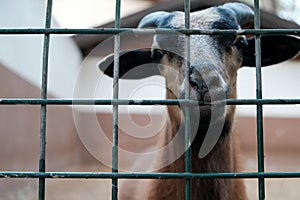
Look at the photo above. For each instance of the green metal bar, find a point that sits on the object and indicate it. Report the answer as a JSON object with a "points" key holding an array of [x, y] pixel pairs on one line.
{"points": [[259, 110], [115, 119], [147, 102], [144, 175], [187, 113], [43, 112], [26, 31]]}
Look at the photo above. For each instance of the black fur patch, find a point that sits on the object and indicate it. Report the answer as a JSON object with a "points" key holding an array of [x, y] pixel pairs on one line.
{"points": [[202, 131], [226, 21], [166, 22], [131, 59]]}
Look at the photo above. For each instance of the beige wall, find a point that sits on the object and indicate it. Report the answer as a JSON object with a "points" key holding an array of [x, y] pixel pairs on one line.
{"points": [[19, 136]]}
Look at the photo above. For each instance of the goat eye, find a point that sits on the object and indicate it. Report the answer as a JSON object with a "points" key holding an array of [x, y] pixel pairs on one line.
{"points": [[240, 43]]}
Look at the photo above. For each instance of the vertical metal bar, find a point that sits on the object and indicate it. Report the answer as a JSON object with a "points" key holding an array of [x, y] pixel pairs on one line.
{"points": [[259, 108], [187, 130], [116, 107], [43, 112]]}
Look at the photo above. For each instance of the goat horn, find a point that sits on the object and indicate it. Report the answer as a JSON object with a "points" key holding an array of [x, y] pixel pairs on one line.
{"points": [[153, 19], [243, 13]]}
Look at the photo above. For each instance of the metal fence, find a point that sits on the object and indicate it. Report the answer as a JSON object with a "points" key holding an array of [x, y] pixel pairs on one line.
{"points": [[114, 175]]}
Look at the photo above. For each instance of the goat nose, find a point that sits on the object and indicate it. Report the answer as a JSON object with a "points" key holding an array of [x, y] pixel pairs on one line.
{"points": [[201, 89]]}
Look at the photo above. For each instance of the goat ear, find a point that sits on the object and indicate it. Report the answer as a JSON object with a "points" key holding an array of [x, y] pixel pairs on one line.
{"points": [[274, 49], [133, 64]]}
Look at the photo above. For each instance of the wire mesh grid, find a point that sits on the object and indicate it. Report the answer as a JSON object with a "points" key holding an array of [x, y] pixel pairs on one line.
{"points": [[114, 175]]}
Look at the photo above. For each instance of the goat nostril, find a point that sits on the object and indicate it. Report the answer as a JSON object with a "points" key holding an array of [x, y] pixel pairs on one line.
{"points": [[193, 83], [226, 91], [197, 84]]}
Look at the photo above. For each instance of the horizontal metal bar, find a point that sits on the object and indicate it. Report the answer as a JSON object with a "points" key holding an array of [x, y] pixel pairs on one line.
{"points": [[30, 101], [147, 31], [133, 175]]}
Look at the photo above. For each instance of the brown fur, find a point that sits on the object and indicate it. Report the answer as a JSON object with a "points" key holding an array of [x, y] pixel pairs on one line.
{"points": [[223, 158]]}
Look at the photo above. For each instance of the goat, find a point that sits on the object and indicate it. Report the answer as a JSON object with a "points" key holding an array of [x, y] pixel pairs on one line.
{"points": [[214, 62]]}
